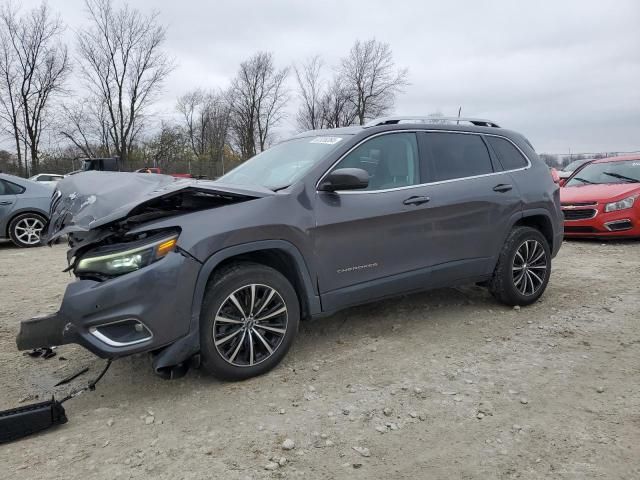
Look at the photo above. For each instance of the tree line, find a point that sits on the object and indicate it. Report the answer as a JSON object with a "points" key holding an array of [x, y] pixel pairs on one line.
{"points": [[120, 58]]}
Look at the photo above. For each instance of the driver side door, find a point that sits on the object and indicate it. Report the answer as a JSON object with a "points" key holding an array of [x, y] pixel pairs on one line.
{"points": [[367, 240]]}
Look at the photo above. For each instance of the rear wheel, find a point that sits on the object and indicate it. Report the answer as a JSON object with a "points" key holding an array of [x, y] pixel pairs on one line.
{"points": [[524, 266], [25, 229], [249, 320]]}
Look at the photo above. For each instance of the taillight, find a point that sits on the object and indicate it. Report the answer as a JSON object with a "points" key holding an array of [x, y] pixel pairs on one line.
{"points": [[555, 175]]}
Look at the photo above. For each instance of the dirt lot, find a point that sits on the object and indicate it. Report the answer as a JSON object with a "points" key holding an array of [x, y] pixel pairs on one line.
{"points": [[445, 384]]}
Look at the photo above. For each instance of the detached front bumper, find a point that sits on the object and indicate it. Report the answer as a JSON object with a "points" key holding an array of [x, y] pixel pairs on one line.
{"points": [[138, 312], [592, 221]]}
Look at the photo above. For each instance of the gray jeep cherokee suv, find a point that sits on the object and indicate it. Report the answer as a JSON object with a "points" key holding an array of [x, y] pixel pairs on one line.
{"points": [[223, 271]]}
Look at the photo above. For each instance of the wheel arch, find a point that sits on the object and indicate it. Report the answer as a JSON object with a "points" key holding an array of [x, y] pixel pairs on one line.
{"points": [[541, 221], [280, 255]]}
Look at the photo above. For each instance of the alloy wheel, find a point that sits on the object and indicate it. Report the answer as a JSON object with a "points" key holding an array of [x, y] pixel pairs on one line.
{"points": [[250, 325], [529, 267], [28, 230]]}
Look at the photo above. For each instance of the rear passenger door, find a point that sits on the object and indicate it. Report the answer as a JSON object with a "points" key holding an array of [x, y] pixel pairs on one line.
{"points": [[472, 202]]}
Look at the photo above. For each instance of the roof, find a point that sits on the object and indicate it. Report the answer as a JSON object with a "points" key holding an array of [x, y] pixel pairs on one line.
{"points": [[352, 130], [620, 158], [11, 178]]}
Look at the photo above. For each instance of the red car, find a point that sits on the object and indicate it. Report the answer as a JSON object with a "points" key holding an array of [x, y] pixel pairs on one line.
{"points": [[601, 199]]}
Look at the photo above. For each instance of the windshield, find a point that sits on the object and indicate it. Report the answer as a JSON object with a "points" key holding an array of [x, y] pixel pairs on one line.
{"points": [[282, 164], [574, 165], [627, 171]]}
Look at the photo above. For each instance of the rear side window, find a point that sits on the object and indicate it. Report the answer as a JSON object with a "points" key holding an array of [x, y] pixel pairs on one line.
{"points": [[8, 188], [509, 156], [455, 155]]}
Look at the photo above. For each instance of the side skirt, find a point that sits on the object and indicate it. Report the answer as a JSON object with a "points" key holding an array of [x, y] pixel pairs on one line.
{"points": [[439, 276]]}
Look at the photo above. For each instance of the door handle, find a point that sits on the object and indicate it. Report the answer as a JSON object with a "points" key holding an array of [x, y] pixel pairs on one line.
{"points": [[502, 187], [416, 200], [6, 203]]}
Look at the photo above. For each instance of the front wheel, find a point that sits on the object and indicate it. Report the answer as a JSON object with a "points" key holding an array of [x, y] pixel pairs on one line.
{"points": [[249, 319], [524, 267]]}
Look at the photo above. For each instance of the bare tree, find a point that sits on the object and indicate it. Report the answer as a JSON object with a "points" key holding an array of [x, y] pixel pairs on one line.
{"points": [[123, 64], [33, 66], [258, 97], [166, 149], [368, 72], [310, 92], [218, 135], [191, 106], [337, 107], [207, 119], [86, 125]]}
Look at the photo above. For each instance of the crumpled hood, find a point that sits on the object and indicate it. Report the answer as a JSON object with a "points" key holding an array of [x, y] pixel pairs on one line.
{"points": [[89, 200]]}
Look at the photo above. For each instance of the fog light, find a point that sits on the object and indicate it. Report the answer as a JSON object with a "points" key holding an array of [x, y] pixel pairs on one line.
{"points": [[122, 333]]}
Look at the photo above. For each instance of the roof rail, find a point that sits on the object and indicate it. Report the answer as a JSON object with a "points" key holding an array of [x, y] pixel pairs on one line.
{"points": [[478, 122]]}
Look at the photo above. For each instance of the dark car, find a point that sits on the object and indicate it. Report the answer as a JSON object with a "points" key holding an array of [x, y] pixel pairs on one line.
{"points": [[225, 270]]}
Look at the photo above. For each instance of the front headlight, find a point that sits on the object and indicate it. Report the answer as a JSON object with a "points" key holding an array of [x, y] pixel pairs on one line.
{"points": [[620, 204], [113, 263]]}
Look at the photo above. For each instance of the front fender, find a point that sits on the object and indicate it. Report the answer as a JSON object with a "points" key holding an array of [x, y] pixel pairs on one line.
{"points": [[189, 345]]}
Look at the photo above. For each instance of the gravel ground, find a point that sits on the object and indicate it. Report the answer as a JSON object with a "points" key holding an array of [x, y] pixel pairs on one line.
{"points": [[445, 384]]}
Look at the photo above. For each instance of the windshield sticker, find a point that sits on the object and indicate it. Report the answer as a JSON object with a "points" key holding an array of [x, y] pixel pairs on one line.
{"points": [[326, 140]]}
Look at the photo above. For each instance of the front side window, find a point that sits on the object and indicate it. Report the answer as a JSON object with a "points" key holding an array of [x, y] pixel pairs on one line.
{"points": [[508, 155], [391, 161], [283, 164], [456, 155], [608, 172]]}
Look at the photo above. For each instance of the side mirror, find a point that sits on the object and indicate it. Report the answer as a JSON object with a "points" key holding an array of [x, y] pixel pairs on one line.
{"points": [[562, 182], [345, 179]]}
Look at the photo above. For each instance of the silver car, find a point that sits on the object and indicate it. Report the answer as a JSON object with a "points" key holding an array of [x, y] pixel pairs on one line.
{"points": [[24, 207]]}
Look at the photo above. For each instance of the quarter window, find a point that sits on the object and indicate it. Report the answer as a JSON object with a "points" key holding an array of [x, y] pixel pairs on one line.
{"points": [[8, 188], [509, 156], [456, 155], [391, 161]]}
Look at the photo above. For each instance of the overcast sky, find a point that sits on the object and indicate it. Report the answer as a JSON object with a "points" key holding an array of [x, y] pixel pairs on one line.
{"points": [[564, 73]]}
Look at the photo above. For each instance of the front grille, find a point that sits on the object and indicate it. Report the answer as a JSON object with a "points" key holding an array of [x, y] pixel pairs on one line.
{"points": [[580, 204], [580, 230], [581, 214]]}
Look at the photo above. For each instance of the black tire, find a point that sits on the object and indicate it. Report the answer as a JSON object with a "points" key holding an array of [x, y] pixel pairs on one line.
{"points": [[506, 284], [23, 238], [252, 356]]}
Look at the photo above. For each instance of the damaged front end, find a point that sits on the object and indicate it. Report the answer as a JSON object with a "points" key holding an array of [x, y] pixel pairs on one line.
{"points": [[135, 283]]}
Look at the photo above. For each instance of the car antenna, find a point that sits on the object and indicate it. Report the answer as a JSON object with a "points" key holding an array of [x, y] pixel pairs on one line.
{"points": [[20, 422]]}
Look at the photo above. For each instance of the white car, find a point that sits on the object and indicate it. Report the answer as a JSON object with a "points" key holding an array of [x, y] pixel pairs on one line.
{"points": [[47, 178]]}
